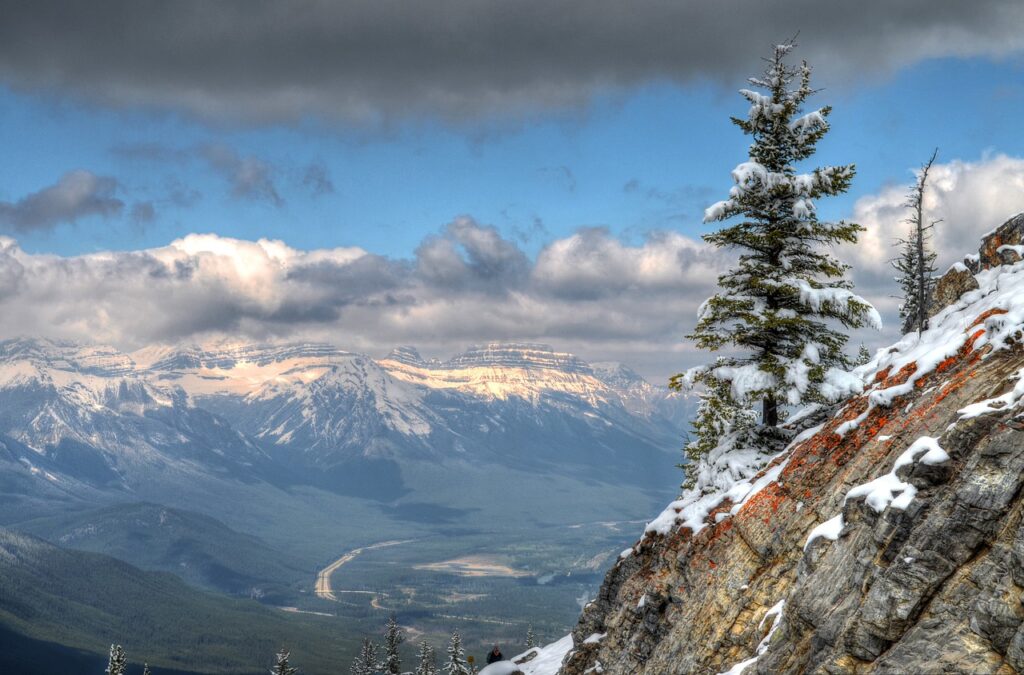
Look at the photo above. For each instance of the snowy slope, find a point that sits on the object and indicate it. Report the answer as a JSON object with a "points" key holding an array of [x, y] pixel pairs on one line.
{"points": [[878, 536]]}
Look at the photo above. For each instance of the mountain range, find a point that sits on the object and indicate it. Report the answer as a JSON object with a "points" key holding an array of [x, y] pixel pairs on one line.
{"points": [[82, 418]]}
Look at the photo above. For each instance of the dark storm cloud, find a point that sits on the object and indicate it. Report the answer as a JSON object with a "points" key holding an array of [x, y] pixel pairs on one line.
{"points": [[368, 61], [78, 194]]}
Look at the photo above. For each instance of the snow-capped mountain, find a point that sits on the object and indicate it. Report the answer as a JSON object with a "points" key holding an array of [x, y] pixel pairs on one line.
{"points": [[74, 414], [327, 405], [329, 417]]}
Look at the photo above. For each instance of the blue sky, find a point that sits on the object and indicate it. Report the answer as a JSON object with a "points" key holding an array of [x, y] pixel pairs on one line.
{"points": [[645, 160]]}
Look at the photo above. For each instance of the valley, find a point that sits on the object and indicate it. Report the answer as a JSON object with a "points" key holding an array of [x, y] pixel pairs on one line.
{"points": [[324, 588]]}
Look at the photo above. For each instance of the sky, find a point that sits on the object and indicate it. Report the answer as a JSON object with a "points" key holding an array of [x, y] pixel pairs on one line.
{"points": [[447, 173]]}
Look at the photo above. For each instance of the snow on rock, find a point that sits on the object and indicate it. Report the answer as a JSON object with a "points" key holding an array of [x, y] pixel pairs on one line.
{"points": [[887, 490], [545, 660], [727, 473], [830, 529], [1010, 399], [991, 316]]}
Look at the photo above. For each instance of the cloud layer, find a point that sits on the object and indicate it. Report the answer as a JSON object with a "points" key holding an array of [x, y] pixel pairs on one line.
{"points": [[590, 292], [368, 61], [466, 284]]}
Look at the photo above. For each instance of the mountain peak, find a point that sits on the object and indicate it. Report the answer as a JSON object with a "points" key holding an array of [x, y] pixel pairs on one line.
{"points": [[408, 355], [518, 355], [93, 360]]}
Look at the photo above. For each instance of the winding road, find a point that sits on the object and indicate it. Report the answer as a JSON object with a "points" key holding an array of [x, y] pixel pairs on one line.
{"points": [[323, 587]]}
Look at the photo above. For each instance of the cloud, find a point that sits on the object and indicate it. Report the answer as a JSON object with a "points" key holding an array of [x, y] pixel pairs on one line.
{"points": [[249, 177], [374, 61], [466, 284], [78, 194], [317, 179], [143, 213], [970, 198], [563, 175]]}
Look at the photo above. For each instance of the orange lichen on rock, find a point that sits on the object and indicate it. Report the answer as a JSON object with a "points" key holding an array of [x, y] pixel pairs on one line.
{"points": [[986, 314], [765, 503], [901, 376]]}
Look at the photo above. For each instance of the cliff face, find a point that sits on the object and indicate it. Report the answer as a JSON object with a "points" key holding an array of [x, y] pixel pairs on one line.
{"points": [[889, 538]]}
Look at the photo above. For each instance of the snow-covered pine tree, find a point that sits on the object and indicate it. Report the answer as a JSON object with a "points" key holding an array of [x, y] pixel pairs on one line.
{"points": [[778, 307], [282, 666], [426, 665], [365, 662], [531, 639], [145, 669], [716, 417], [915, 265], [117, 664], [393, 638], [456, 664]]}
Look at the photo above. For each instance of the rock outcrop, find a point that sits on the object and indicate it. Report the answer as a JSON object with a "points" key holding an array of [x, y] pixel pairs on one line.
{"points": [[950, 287], [887, 538], [1000, 247]]}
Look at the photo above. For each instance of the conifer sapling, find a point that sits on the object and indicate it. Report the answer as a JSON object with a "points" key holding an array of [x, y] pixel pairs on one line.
{"points": [[456, 664], [393, 638], [365, 662], [282, 666], [117, 664], [426, 665]]}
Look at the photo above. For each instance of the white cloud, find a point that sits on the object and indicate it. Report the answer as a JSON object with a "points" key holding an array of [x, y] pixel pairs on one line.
{"points": [[970, 198]]}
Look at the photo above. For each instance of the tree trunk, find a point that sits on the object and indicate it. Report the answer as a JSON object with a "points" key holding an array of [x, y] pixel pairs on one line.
{"points": [[770, 411]]}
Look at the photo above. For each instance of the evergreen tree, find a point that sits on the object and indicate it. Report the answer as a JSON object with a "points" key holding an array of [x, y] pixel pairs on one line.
{"points": [[117, 664], [916, 263], [716, 417], [531, 639], [393, 638], [145, 669], [366, 662], [456, 662], [426, 665], [777, 309], [282, 667]]}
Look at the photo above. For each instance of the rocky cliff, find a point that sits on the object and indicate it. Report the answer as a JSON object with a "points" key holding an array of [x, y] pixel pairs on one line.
{"points": [[887, 535]]}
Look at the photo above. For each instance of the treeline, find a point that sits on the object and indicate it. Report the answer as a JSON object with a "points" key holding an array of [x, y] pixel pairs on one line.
{"points": [[372, 659]]}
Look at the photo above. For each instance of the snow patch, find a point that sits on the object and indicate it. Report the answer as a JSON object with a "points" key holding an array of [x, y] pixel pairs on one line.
{"points": [[546, 660], [886, 490]]}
